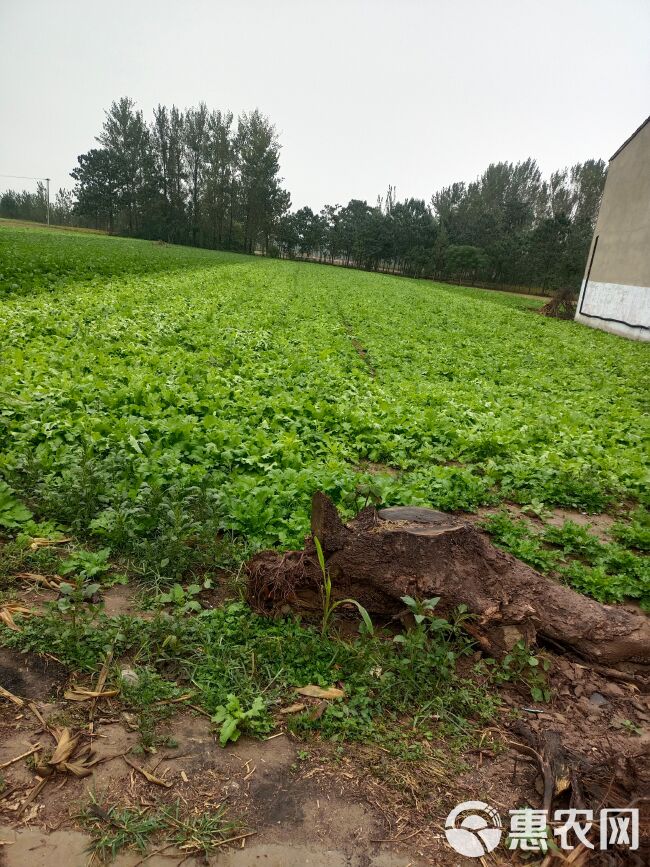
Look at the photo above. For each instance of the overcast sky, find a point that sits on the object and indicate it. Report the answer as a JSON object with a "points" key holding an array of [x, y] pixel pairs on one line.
{"points": [[364, 93]]}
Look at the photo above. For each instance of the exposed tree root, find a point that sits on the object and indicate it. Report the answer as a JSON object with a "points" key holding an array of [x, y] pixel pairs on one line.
{"points": [[383, 555]]}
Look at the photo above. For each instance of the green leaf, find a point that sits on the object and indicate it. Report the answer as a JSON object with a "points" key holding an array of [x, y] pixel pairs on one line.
{"points": [[319, 554], [429, 604], [229, 731]]}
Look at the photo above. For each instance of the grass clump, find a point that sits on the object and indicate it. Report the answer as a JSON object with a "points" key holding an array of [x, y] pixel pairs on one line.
{"points": [[147, 695], [116, 829]]}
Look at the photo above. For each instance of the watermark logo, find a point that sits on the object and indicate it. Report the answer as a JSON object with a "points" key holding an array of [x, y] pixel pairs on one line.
{"points": [[477, 833]]}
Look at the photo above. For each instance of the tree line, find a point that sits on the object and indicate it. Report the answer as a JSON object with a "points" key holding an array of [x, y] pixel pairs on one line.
{"points": [[26, 205], [509, 227], [200, 177]]}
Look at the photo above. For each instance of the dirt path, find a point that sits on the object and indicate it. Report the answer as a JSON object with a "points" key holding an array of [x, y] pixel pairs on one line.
{"points": [[68, 849]]}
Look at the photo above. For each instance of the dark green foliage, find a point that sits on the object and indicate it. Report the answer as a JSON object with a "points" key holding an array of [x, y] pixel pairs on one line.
{"points": [[465, 262], [605, 570], [195, 177]]}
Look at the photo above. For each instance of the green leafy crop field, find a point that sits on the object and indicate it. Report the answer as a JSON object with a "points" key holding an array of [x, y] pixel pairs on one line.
{"points": [[153, 395]]}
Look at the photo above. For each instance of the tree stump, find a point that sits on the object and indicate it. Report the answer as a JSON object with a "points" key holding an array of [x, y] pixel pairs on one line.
{"points": [[383, 555]]}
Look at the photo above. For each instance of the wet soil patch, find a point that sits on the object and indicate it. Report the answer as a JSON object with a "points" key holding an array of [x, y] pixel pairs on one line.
{"points": [[30, 676]]}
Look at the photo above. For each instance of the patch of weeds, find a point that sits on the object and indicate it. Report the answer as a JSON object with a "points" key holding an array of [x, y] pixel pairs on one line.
{"points": [[74, 597], [11, 557], [200, 834], [143, 697], [114, 829], [80, 646], [413, 678], [45, 560], [524, 666], [16, 556], [184, 600], [114, 578], [636, 532], [168, 530], [233, 652], [410, 685]]}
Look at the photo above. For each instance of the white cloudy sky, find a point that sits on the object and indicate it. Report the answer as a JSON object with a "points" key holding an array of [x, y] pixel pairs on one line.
{"points": [[417, 93]]}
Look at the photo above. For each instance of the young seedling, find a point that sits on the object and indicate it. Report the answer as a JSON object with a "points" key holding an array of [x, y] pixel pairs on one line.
{"points": [[330, 607], [234, 719]]}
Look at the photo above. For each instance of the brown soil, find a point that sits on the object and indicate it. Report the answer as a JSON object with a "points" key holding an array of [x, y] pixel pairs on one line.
{"points": [[306, 802], [298, 816], [121, 599], [31, 676], [377, 469]]}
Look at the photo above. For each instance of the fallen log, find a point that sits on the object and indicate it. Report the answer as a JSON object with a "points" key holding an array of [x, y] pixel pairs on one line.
{"points": [[383, 555]]}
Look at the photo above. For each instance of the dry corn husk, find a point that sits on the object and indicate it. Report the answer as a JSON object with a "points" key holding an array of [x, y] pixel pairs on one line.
{"points": [[7, 613]]}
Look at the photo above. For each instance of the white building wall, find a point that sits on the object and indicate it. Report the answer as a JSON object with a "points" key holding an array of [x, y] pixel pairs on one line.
{"points": [[615, 307], [615, 293]]}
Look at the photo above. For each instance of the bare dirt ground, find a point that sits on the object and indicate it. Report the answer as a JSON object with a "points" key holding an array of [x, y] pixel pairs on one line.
{"points": [[298, 812], [303, 802]]}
